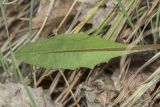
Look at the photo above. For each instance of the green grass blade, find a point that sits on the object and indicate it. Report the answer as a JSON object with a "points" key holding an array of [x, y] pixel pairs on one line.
{"points": [[13, 56], [125, 13]]}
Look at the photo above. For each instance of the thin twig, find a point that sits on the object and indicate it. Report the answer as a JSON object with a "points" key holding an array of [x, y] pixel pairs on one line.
{"points": [[66, 15], [8, 3], [74, 98], [45, 20]]}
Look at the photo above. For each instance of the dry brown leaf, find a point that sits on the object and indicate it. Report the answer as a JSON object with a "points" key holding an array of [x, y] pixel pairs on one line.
{"points": [[138, 80], [58, 12], [106, 97], [104, 88]]}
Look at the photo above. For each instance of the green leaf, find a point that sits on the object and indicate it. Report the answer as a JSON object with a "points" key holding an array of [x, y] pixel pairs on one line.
{"points": [[70, 51]]}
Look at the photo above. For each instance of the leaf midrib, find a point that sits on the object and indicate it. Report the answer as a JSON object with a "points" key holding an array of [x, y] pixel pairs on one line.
{"points": [[136, 48]]}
